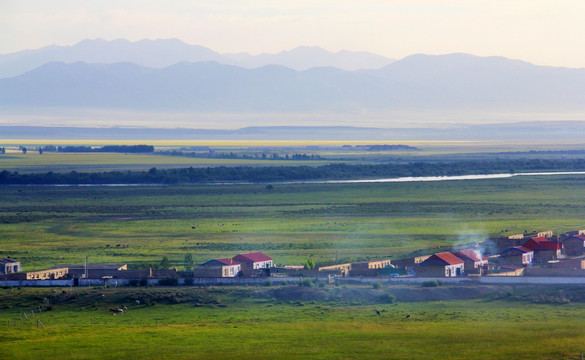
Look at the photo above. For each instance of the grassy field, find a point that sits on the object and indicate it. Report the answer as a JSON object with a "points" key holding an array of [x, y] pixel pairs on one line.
{"points": [[59, 162], [44, 226], [227, 323], [328, 151]]}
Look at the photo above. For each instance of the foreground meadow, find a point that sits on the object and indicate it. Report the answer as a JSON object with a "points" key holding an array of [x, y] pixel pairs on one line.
{"points": [[250, 322]]}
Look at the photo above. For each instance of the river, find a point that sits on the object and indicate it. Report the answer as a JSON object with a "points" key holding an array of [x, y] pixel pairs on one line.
{"points": [[358, 181]]}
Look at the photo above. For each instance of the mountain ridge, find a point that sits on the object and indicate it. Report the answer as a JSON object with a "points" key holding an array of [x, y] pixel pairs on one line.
{"points": [[165, 52], [418, 82]]}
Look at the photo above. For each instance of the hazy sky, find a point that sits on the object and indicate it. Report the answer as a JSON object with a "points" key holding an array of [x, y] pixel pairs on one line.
{"points": [[540, 31]]}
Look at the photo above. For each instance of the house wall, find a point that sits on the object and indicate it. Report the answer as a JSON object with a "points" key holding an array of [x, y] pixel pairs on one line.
{"points": [[344, 268], [439, 270], [262, 264], [9, 268], [49, 274], [205, 272], [377, 264], [574, 247], [516, 258], [542, 256], [455, 270]]}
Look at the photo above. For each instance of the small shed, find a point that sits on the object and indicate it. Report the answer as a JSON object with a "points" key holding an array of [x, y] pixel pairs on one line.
{"points": [[9, 266], [574, 245]]}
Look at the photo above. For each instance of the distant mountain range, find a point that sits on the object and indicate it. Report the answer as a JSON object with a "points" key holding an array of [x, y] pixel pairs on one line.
{"points": [[418, 82], [513, 132], [163, 53]]}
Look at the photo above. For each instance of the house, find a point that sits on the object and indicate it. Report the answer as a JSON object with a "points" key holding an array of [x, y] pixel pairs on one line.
{"points": [[504, 242], [441, 264], [508, 270], [53, 273], [93, 271], [518, 255], [370, 264], [341, 269], [9, 266], [218, 268], [544, 249], [369, 267], [574, 245], [573, 232], [472, 259], [253, 261], [409, 264]]}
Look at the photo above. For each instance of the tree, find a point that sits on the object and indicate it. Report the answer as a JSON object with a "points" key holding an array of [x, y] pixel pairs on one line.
{"points": [[40, 151], [2, 150], [309, 264], [23, 150], [188, 262], [165, 263]]}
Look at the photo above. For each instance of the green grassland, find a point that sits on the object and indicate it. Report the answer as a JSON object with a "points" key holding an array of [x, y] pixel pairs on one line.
{"points": [[246, 323], [59, 162], [44, 226], [47, 225]]}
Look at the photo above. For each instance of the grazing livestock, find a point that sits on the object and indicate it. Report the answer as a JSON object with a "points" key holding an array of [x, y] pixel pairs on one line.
{"points": [[378, 312], [408, 316], [116, 311]]}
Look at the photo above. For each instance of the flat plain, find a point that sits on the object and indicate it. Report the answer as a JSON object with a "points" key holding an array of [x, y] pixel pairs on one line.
{"points": [[47, 225]]}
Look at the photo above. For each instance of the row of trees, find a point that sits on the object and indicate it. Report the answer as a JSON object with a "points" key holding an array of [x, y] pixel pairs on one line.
{"points": [[294, 173], [232, 155], [106, 148], [86, 149]]}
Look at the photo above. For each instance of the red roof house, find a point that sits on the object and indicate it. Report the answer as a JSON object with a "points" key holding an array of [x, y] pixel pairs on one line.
{"points": [[544, 249], [253, 261], [441, 264], [518, 255], [472, 258]]}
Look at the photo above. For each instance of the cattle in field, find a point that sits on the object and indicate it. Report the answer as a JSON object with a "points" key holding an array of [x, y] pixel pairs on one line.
{"points": [[116, 311]]}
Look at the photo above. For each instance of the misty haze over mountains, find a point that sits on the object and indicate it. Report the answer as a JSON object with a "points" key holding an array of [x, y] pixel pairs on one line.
{"points": [[171, 76], [163, 53]]}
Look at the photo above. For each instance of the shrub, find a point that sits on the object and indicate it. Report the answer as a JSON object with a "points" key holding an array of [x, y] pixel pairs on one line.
{"points": [[307, 283], [268, 283], [377, 285], [168, 282], [387, 299], [133, 283], [189, 281], [430, 283]]}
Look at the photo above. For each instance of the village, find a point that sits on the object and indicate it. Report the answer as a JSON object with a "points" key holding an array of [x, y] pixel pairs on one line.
{"points": [[541, 254]]}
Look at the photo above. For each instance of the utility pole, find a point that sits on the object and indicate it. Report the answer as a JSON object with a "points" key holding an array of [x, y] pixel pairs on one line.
{"points": [[86, 266]]}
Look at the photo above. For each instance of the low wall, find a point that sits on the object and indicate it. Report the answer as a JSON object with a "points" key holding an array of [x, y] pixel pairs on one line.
{"points": [[531, 280], [43, 283], [126, 282], [293, 280]]}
